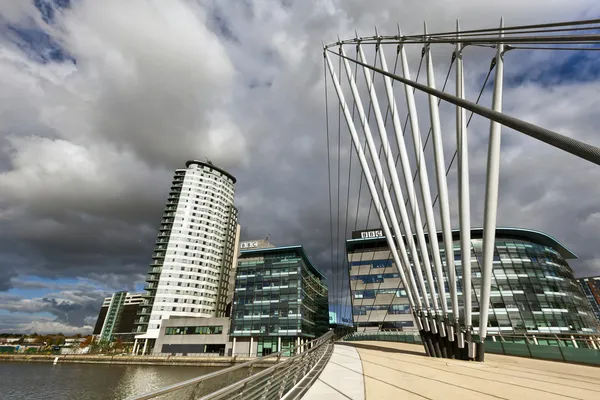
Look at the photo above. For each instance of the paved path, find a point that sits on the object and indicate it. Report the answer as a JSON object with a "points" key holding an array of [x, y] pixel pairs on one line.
{"points": [[341, 379], [402, 371], [387, 370]]}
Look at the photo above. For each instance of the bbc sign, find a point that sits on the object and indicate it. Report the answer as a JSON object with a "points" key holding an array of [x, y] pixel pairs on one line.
{"points": [[371, 234], [249, 245], [368, 234]]}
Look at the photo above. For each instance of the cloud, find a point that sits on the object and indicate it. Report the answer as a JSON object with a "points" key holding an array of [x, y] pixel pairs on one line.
{"points": [[26, 323], [74, 304], [90, 133]]}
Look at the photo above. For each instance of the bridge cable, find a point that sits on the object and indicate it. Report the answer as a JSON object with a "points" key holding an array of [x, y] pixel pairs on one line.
{"points": [[348, 296], [328, 167], [336, 282], [362, 171], [492, 65], [453, 58], [389, 189]]}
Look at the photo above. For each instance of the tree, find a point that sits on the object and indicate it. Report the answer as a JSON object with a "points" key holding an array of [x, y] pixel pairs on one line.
{"points": [[87, 342]]}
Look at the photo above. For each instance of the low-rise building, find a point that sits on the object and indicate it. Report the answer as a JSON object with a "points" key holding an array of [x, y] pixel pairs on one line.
{"points": [[187, 336]]}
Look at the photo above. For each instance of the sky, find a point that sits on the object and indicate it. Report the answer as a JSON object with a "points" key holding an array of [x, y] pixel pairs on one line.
{"points": [[101, 101]]}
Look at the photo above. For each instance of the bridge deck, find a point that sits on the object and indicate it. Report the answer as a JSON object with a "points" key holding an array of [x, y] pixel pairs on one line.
{"points": [[397, 370]]}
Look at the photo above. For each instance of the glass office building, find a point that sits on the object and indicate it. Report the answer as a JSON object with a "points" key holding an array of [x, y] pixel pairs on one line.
{"points": [[591, 289], [280, 300], [533, 288]]}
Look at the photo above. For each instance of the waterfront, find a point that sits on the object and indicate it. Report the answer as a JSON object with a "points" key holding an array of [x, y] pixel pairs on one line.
{"points": [[28, 381]]}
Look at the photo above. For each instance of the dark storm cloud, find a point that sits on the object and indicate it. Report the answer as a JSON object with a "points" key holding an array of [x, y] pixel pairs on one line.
{"points": [[88, 150]]}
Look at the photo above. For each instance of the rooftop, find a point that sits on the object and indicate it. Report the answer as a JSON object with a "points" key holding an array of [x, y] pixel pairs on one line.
{"points": [[529, 235], [212, 166], [298, 249]]}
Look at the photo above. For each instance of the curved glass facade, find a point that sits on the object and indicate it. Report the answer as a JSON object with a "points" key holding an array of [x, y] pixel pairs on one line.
{"points": [[533, 288]]}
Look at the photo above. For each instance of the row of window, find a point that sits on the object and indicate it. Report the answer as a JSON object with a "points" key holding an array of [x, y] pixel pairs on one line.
{"points": [[391, 309], [194, 330], [373, 278], [214, 201], [372, 293], [373, 263]]}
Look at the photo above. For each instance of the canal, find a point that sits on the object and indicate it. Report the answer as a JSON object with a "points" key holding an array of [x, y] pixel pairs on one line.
{"points": [[28, 381]]}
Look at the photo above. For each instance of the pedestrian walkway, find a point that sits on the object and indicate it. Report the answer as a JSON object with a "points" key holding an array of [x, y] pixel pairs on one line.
{"points": [[341, 379], [366, 370]]}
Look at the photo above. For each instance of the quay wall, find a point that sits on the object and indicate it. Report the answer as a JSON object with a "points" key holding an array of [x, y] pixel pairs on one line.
{"points": [[134, 360]]}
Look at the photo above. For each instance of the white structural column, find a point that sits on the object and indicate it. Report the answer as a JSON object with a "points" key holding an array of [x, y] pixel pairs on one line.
{"points": [[442, 185], [406, 170], [233, 347], [145, 347], [393, 174], [135, 347], [369, 178], [424, 185], [379, 171], [251, 345], [491, 193], [464, 210]]}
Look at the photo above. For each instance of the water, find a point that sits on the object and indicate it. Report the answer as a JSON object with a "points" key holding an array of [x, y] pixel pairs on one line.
{"points": [[27, 381]]}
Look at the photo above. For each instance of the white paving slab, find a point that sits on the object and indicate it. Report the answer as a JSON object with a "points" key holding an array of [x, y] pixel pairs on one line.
{"points": [[341, 379]]}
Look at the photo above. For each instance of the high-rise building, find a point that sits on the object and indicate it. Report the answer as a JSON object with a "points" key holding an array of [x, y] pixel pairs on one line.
{"points": [[117, 316], [281, 299], [533, 289], [195, 249], [591, 289]]}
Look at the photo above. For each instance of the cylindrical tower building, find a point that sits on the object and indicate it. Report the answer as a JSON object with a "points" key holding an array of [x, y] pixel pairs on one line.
{"points": [[192, 260]]}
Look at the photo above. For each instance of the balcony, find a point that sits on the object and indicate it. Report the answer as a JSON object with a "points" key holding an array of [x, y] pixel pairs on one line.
{"points": [[156, 263], [144, 311], [160, 254], [153, 278], [150, 286]]}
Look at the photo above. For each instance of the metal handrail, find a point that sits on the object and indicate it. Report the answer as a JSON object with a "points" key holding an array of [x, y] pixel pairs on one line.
{"points": [[317, 346]]}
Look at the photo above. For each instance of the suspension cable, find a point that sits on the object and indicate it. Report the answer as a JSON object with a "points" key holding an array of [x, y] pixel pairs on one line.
{"points": [[346, 261], [492, 65], [329, 170]]}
